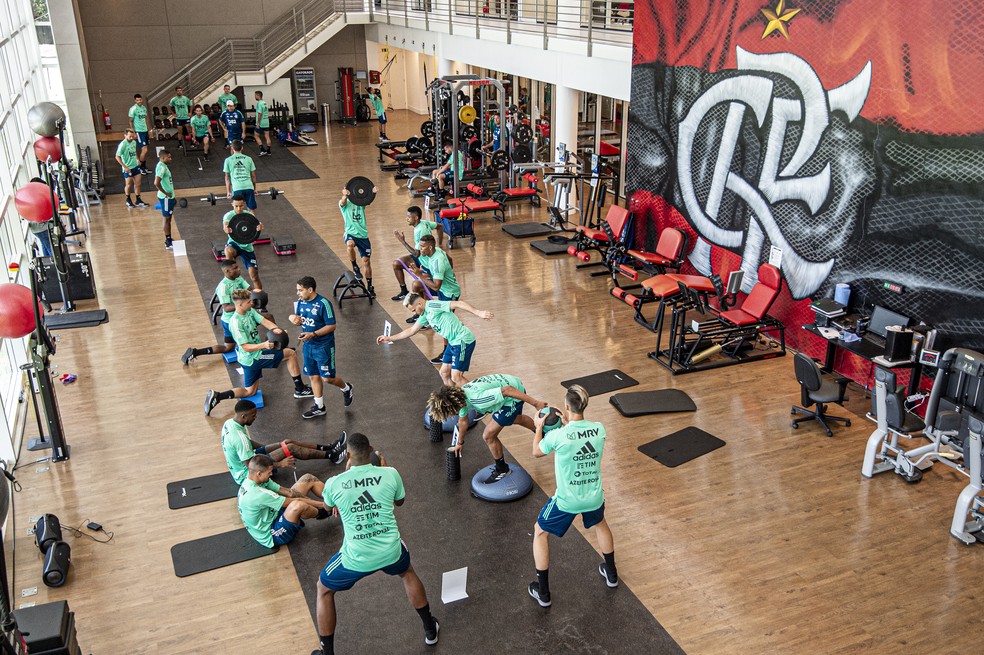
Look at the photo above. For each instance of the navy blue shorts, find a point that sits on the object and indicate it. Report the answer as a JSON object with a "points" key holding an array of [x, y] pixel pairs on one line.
{"points": [[459, 357], [338, 578], [135, 171], [556, 521], [507, 415], [234, 137], [382, 118], [268, 359], [167, 207], [363, 245], [441, 296], [284, 531], [143, 139], [319, 360], [248, 256], [182, 121], [226, 332], [249, 195], [261, 130]]}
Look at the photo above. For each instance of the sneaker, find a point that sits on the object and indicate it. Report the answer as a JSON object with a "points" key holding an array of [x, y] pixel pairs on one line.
{"points": [[412, 319], [339, 458], [347, 395], [611, 581], [129, 204], [141, 203], [168, 244], [314, 412], [372, 292], [544, 599], [340, 444], [188, 356], [496, 475], [430, 638], [261, 153], [206, 157], [438, 360], [357, 271], [211, 400], [303, 392], [400, 296]]}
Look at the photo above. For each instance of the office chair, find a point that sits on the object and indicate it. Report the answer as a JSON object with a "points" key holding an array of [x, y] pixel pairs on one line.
{"points": [[815, 390]]}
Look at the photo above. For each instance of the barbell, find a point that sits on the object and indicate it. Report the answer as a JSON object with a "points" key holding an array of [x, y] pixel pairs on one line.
{"points": [[211, 198]]}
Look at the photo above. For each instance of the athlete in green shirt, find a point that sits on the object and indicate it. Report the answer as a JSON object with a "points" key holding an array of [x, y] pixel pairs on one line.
{"points": [[435, 271], [201, 130], [453, 166], [180, 106], [439, 315], [420, 228], [577, 448], [376, 99], [261, 130], [126, 156], [138, 123], [235, 249], [497, 394], [165, 193], [254, 354], [273, 515], [228, 95], [240, 175], [231, 280], [364, 497], [356, 236]]}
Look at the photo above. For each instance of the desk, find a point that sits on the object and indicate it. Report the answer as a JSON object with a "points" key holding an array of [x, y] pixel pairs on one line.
{"points": [[866, 350]]}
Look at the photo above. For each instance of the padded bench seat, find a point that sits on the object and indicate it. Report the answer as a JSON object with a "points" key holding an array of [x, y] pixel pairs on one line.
{"points": [[519, 192], [649, 257], [593, 234]]}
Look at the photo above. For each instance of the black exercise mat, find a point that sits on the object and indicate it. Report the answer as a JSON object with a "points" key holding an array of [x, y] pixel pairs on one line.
{"points": [[444, 527], [681, 447], [198, 491], [549, 247], [601, 383], [641, 403], [214, 552], [520, 230], [89, 318], [280, 166]]}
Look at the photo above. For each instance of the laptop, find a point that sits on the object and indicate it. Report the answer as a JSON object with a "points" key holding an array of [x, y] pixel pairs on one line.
{"points": [[881, 319]]}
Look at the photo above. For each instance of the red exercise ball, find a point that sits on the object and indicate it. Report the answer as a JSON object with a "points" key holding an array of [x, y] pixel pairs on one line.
{"points": [[48, 146], [16, 313], [33, 202]]}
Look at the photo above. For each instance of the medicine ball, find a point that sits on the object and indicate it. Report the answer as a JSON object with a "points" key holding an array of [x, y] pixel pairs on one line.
{"points": [[279, 339], [553, 419], [56, 563], [260, 299], [47, 531]]}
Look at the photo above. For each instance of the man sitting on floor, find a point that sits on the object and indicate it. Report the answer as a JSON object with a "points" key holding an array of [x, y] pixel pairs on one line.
{"points": [[272, 514], [231, 280], [420, 228]]}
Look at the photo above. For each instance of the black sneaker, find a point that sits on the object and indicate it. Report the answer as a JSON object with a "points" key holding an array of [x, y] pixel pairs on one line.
{"points": [[188, 356], [141, 203], [372, 292], [430, 637], [611, 581], [303, 392], [347, 395], [211, 400], [129, 204], [314, 412], [339, 458], [496, 475], [340, 444], [206, 157], [542, 599], [168, 243], [400, 296], [438, 360], [357, 271], [412, 319]]}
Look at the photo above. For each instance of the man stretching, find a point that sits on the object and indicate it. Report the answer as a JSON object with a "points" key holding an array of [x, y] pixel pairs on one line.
{"points": [[500, 395], [180, 105], [273, 515], [201, 129], [255, 355], [314, 313], [356, 236], [238, 448], [420, 228], [231, 280], [577, 448], [364, 497], [376, 98]]}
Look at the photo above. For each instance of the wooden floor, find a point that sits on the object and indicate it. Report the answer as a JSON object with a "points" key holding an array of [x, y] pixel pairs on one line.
{"points": [[772, 544]]}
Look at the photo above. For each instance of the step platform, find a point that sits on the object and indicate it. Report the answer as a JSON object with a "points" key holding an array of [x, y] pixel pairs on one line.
{"points": [[517, 484], [284, 244]]}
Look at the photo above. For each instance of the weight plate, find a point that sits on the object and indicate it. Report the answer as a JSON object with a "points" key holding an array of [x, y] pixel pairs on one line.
{"points": [[523, 134], [245, 228], [427, 129], [360, 191], [475, 149], [500, 160], [469, 132], [522, 154], [467, 114], [424, 144], [446, 137], [413, 144]]}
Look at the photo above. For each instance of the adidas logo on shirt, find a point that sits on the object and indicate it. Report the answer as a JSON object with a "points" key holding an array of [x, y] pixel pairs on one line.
{"points": [[587, 452], [365, 502]]}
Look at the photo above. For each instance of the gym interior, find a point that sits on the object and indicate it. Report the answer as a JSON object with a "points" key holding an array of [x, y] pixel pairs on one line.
{"points": [[752, 231]]}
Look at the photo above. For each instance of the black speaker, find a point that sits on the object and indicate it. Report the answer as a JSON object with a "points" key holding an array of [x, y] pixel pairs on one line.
{"points": [[47, 532], [56, 562], [898, 345], [80, 280]]}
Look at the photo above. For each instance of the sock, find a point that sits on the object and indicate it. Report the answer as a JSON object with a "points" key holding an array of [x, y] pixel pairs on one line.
{"points": [[425, 616], [500, 465], [327, 644], [346, 388], [139, 199], [225, 395], [128, 198], [319, 401], [369, 282], [543, 577], [198, 352], [298, 385], [322, 514], [403, 288], [610, 564]]}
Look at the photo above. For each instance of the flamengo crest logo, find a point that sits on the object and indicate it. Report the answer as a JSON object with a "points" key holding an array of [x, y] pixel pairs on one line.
{"points": [[755, 91]]}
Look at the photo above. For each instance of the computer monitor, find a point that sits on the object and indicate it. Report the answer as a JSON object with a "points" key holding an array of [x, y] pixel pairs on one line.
{"points": [[881, 318]]}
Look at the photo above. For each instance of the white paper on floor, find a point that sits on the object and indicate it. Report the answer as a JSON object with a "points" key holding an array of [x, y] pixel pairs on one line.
{"points": [[453, 585], [178, 248], [387, 328]]}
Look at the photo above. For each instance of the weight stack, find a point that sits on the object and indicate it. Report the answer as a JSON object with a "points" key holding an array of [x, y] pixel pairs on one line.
{"points": [[49, 629], [453, 465]]}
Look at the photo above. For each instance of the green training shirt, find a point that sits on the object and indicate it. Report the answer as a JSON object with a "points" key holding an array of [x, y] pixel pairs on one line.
{"points": [[355, 220], [577, 449], [244, 330], [239, 168], [139, 115], [438, 315], [127, 151], [226, 97], [258, 507], [420, 229], [440, 269], [181, 106], [237, 448], [457, 161], [163, 172], [248, 247], [200, 124], [377, 104], [224, 293], [484, 394], [364, 496], [262, 114]]}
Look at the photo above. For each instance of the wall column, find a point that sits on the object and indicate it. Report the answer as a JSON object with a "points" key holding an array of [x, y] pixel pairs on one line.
{"points": [[563, 129], [71, 57], [445, 67]]}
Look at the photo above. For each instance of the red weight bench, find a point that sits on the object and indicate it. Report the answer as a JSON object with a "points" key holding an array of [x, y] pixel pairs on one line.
{"points": [[609, 241], [472, 206], [475, 190], [662, 289], [671, 250], [530, 192]]}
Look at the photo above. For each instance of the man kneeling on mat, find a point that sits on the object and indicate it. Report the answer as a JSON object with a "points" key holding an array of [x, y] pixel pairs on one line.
{"points": [[239, 448], [272, 514], [255, 355], [500, 395], [364, 497], [577, 448]]}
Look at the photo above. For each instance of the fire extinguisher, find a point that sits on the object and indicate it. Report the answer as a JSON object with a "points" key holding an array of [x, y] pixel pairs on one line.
{"points": [[105, 116]]}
